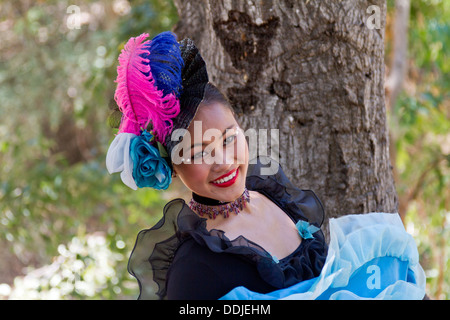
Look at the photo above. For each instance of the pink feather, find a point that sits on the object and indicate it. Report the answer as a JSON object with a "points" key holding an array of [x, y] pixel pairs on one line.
{"points": [[137, 96]]}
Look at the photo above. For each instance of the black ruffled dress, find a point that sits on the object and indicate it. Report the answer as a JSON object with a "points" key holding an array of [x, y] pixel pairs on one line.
{"points": [[180, 259]]}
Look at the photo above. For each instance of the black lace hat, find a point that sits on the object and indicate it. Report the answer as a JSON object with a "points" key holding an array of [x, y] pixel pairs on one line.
{"points": [[194, 80]]}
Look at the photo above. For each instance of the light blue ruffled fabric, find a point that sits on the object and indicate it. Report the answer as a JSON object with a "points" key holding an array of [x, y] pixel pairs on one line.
{"points": [[370, 256]]}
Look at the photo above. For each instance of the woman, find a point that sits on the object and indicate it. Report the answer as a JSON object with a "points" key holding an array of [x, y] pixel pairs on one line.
{"points": [[229, 235], [264, 230], [243, 234]]}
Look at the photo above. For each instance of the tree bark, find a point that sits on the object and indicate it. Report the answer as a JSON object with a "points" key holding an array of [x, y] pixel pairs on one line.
{"points": [[314, 70]]}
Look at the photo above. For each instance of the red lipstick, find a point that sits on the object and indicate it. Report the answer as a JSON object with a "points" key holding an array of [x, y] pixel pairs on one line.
{"points": [[229, 182]]}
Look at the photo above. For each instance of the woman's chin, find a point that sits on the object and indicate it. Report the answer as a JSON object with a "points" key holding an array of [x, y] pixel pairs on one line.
{"points": [[230, 193]]}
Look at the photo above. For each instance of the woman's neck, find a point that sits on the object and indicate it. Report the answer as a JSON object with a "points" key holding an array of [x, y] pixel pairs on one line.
{"points": [[212, 208]]}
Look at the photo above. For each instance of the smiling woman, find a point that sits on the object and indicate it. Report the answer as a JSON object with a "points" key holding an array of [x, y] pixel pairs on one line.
{"points": [[218, 165], [187, 255], [243, 228]]}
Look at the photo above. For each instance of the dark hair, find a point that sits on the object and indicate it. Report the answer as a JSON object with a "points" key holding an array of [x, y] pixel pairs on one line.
{"points": [[213, 95]]}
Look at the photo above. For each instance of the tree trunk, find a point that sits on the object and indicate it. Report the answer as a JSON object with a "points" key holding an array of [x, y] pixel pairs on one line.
{"points": [[314, 70]]}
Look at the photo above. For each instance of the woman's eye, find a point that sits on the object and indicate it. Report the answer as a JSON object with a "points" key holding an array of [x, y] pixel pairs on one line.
{"points": [[230, 139], [199, 155]]}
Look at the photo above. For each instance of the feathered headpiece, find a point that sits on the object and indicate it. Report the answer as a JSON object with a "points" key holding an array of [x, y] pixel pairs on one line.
{"points": [[149, 84], [160, 84], [148, 87]]}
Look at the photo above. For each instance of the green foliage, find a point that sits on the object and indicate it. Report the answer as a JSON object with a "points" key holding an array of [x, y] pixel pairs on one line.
{"points": [[86, 268], [56, 90], [420, 125]]}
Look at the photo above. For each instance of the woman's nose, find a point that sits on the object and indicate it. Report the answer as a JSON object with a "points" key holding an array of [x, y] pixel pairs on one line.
{"points": [[223, 158]]}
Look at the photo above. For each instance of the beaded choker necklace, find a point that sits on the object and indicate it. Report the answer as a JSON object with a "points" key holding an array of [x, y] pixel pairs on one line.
{"points": [[212, 208]]}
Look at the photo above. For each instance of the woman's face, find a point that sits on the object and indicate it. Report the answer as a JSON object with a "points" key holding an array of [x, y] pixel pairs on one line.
{"points": [[215, 158]]}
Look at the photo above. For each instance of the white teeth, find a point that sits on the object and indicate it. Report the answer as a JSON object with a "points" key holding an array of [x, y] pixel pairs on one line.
{"points": [[231, 176]]}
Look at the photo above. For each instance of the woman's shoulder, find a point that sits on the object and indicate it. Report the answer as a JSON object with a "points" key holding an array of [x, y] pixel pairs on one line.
{"points": [[154, 249], [195, 273], [199, 273], [189, 250]]}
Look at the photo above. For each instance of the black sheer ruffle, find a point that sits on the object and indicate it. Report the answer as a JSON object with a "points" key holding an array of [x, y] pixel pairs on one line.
{"points": [[155, 248]]}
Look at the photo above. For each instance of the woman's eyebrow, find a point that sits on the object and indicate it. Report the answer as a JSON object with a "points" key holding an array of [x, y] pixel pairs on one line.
{"points": [[223, 133]]}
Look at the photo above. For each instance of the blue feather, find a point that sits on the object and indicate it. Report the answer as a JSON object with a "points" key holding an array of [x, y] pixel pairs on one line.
{"points": [[166, 63]]}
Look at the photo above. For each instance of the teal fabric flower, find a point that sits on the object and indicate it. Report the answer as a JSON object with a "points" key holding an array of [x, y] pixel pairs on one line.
{"points": [[306, 230], [150, 169]]}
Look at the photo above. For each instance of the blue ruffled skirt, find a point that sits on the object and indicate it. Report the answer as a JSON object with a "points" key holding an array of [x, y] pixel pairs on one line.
{"points": [[370, 256]]}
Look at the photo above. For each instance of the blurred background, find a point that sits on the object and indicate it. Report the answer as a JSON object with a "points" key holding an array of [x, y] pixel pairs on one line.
{"points": [[67, 227]]}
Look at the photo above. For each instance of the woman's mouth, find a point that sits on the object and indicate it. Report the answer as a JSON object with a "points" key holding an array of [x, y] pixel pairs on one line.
{"points": [[227, 179]]}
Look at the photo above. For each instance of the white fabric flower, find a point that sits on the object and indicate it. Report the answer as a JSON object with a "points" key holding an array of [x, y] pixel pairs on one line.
{"points": [[118, 158]]}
